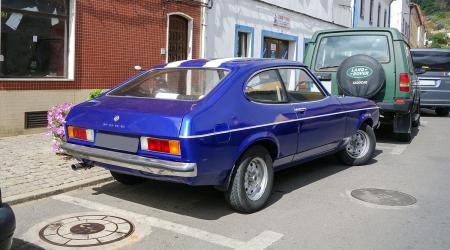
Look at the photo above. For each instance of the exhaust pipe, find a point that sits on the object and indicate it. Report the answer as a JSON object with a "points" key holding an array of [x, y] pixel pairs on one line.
{"points": [[80, 166]]}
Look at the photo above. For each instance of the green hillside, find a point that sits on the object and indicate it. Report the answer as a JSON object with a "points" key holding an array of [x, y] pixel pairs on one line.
{"points": [[437, 13]]}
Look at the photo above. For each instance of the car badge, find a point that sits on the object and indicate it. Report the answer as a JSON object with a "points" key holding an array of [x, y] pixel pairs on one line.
{"points": [[116, 118]]}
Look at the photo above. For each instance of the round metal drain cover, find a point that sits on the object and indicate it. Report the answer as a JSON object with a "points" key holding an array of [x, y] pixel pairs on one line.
{"points": [[86, 231], [383, 197]]}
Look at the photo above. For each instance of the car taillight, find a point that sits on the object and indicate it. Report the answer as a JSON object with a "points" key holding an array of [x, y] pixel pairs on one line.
{"points": [[162, 146], [404, 82], [81, 133]]}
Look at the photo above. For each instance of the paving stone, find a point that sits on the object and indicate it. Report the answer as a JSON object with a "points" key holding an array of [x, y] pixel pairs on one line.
{"points": [[27, 165]]}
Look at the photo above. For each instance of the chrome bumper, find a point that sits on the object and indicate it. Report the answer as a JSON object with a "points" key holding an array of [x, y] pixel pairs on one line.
{"points": [[136, 162]]}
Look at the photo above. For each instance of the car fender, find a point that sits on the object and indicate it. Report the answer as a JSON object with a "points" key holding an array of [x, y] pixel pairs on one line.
{"points": [[366, 117], [246, 144]]}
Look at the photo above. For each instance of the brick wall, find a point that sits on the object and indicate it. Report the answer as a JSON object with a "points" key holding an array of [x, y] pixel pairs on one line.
{"points": [[112, 36]]}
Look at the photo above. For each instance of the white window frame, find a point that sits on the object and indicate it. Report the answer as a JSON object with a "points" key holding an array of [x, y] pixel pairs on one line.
{"points": [[69, 57]]}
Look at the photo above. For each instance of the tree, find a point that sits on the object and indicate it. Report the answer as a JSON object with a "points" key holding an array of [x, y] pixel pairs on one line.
{"points": [[440, 40]]}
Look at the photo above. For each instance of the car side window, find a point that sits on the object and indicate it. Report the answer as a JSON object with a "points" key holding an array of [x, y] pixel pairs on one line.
{"points": [[300, 86], [266, 87]]}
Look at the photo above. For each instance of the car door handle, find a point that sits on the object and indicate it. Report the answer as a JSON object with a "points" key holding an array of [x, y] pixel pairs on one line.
{"points": [[300, 110]]}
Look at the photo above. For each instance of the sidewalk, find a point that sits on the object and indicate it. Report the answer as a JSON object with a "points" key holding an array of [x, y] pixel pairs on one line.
{"points": [[29, 170]]}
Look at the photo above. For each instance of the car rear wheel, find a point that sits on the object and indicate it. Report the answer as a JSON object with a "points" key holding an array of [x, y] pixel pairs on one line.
{"points": [[442, 111], [127, 179], [251, 184], [361, 147]]}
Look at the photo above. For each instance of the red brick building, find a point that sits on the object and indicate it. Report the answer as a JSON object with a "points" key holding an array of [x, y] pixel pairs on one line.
{"points": [[55, 51]]}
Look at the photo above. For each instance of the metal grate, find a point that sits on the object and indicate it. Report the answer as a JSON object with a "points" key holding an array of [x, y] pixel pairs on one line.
{"points": [[36, 119]]}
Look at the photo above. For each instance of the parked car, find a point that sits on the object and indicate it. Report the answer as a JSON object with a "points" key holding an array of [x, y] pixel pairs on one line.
{"points": [[373, 63], [7, 225], [225, 123], [435, 81]]}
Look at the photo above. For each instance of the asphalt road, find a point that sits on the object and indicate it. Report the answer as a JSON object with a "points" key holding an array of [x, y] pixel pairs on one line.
{"points": [[311, 207]]}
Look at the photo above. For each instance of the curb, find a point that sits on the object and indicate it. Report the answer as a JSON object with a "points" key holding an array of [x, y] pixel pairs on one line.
{"points": [[46, 192]]}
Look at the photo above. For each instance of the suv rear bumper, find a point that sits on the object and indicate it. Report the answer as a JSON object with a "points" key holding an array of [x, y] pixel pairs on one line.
{"points": [[393, 107]]}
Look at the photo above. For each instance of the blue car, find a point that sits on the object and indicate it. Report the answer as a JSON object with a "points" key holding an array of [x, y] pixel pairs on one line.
{"points": [[228, 123], [7, 225]]}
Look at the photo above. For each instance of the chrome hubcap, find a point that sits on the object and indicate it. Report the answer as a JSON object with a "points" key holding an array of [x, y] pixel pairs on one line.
{"points": [[358, 145], [255, 179]]}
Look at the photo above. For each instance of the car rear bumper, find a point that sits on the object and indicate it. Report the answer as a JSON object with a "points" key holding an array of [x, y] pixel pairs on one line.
{"points": [[130, 161], [434, 98], [392, 107], [7, 226]]}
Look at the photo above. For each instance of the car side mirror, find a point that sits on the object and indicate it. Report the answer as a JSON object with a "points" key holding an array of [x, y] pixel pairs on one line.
{"points": [[420, 71], [138, 68]]}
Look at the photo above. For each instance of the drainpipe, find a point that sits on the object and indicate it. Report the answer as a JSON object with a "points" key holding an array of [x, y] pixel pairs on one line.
{"points": [[203, 29], [355, 11]]}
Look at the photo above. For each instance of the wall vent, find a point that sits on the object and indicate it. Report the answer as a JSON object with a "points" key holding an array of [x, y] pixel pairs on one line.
{"points": [[36, 119]]}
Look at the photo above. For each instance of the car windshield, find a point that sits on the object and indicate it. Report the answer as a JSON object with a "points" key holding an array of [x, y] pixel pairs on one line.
{"points": [[335, 49], [177, 84], [432, 60]]}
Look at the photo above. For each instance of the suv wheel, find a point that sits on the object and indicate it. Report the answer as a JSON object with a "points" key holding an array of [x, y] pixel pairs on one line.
{"points": [[442, 111], [251, 184], [127, 179], [361, 147], [416, 118]]}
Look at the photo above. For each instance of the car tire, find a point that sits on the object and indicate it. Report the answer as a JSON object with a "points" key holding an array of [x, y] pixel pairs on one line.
{"points": [[127, 179], [361, 147], [416, 118], [404, 137], [255, 166], [442, 111]]}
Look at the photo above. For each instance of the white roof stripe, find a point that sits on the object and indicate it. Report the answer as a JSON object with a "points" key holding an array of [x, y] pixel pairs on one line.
{"points": [[175, 64], [217, 62]]}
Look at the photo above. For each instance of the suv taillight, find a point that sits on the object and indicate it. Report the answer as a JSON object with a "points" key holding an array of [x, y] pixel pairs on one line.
{"points": [[404, 82]]}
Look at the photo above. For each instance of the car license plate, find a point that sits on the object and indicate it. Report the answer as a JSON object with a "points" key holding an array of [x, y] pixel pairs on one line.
{"points": [[427, 82], [123, 143]]}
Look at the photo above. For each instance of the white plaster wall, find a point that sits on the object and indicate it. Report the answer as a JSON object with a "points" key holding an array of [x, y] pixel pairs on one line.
{"points": [[360, 22], [399, 11], [221, 21]]}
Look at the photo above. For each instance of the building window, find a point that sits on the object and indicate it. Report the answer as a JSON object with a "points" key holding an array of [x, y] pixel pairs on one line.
{"points": [[34, 38], [378, 15], [371, 12], [361, 10], [243, 44], [385, 18]]}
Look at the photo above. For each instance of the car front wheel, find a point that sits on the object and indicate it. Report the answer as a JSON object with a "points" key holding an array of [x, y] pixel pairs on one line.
{"points": [[127, 179], [252, 180], [360, 148]]}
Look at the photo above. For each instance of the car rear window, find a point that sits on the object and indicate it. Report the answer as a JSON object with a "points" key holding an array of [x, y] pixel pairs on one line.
{"points": [[432, 60], [333, 50], [176, 84]]}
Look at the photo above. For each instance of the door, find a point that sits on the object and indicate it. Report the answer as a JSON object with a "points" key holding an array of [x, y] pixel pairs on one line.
{"points": [[270, 105], [319, 128], [178, 38]]}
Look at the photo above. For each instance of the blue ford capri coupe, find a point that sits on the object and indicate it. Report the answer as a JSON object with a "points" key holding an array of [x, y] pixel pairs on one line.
{"points": [[228, 123]]}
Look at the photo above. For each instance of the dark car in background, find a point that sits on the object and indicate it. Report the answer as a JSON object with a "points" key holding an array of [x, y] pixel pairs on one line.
{"points": [[435, 82], [7, 225]]}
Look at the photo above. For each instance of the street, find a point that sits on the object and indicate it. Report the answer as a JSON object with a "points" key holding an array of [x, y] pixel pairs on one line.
{"points": [[311, 207]]}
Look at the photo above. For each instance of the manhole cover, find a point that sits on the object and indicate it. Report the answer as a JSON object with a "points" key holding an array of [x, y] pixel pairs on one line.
{"points": [[86, 231], [383, 197]]}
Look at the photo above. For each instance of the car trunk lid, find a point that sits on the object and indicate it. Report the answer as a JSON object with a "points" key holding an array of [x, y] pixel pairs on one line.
{"points": [[132, 116]]}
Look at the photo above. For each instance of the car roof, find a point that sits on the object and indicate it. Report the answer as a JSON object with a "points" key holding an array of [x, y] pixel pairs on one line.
{"points": [[396, 35], [231, 63], [431, 50]]}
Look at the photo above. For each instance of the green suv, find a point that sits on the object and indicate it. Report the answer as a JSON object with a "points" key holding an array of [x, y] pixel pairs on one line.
{"points": [[374, 63]]}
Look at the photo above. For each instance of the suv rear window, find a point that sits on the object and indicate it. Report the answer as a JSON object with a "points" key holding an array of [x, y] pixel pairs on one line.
{"points": [[335, 49], [432, 60], [176, 84]]}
